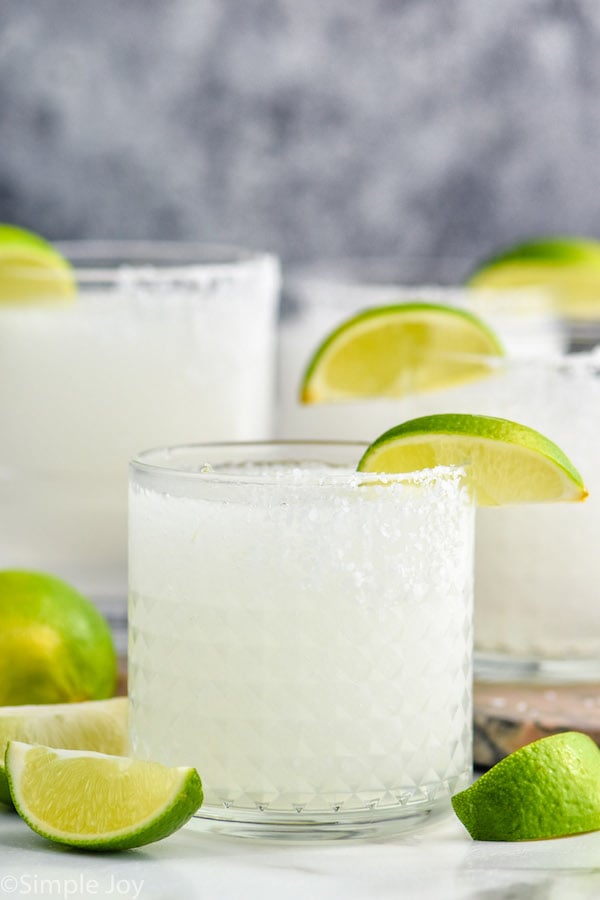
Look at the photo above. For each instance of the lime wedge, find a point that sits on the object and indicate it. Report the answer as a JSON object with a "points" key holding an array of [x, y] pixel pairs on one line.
{"points": [[569, 267], [547, 789], [508, 462], [31, 270], [391, 351], [97, 801], [99, 725]]}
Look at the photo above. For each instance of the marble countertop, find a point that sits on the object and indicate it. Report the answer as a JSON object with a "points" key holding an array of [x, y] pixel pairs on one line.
{"points": [[438, 861]]}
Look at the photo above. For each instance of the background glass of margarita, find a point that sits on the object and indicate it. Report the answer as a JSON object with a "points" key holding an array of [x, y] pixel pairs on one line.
{"points": [[164, 343], [536, 613], [537, 566], [301, 633], [321, 296]]}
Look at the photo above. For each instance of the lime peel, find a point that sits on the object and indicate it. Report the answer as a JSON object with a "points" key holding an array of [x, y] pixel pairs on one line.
{"points": [[547, 789], [97, 801]]}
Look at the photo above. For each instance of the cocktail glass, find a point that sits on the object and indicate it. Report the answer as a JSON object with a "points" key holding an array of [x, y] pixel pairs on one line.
{"points": [[301, 633], [536, 616], [319, 297], [537, 567], [164, 342]]}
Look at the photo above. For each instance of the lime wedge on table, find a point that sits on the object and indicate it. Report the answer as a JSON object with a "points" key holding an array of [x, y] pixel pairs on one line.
{"points": [[547, 789], [97, 801], [395, 350], [31, 270], [509, 462], [569, 267], [99, 725]]}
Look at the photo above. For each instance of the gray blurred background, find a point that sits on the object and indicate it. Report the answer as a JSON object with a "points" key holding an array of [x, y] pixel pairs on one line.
{"points": [[308, 127]]}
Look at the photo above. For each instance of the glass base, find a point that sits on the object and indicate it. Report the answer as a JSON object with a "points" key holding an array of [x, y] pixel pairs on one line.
{"points": [[294, 827], [500, 668], [583, 335]]}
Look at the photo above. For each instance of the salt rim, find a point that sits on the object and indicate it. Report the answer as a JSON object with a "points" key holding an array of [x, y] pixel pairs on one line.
{"points": [[140, 262], [284, 470]]}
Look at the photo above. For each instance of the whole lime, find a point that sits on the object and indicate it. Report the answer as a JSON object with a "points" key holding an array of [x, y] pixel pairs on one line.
{"points": [[55, 646]]}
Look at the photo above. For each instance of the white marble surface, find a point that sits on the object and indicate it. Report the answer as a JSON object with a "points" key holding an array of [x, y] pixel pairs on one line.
{"points": [[438, 861]]}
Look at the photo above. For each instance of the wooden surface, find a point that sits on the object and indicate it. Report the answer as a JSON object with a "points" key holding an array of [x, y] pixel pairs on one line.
{"points": [[507, 716]]}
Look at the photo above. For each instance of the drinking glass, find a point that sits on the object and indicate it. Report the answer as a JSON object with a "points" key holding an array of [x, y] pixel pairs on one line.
{"points": [[537, 568], [164, 342], [301, 633], [319, 297]]}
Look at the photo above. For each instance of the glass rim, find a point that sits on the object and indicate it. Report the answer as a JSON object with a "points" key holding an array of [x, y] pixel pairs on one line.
{"points": [[115, 261], [388, 269], [344, 264], [145, 462], [148, 250]]}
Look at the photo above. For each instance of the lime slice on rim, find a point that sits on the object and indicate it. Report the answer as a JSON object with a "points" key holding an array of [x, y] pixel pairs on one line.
{"points": [[547, 789], [390, 351], [99, 725], [97, 801], [508, 462], [32, 270], [569, 267]]}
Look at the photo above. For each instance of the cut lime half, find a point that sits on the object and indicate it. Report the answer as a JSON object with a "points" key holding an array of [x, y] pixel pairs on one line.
{"points": [[391, 351], [97, 801], [508, 462], [32, 270]]}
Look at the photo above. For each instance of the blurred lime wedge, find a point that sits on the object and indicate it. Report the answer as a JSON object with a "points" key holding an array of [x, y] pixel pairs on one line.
{"points": [[31, 270], [547, 789], [99, 725], [568, 267], [508, 462], [390, 351], [96, 801]]}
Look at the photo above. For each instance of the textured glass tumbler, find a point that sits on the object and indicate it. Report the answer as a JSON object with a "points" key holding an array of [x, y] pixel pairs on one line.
{"points": [[537, 567], [318, 299], [163, 342], [301, 633]]}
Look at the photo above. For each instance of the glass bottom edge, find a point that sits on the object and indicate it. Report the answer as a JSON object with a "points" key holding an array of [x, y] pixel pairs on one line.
{"points": [[351, 825], [497, 667]]}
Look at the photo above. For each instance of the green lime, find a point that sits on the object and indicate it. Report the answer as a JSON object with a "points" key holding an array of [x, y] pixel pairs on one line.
{"points": [[390, 351], [547, 789], [99, 725], [54, 644], [508, 462], [32, 270], [97, 801], [568, 267]]}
